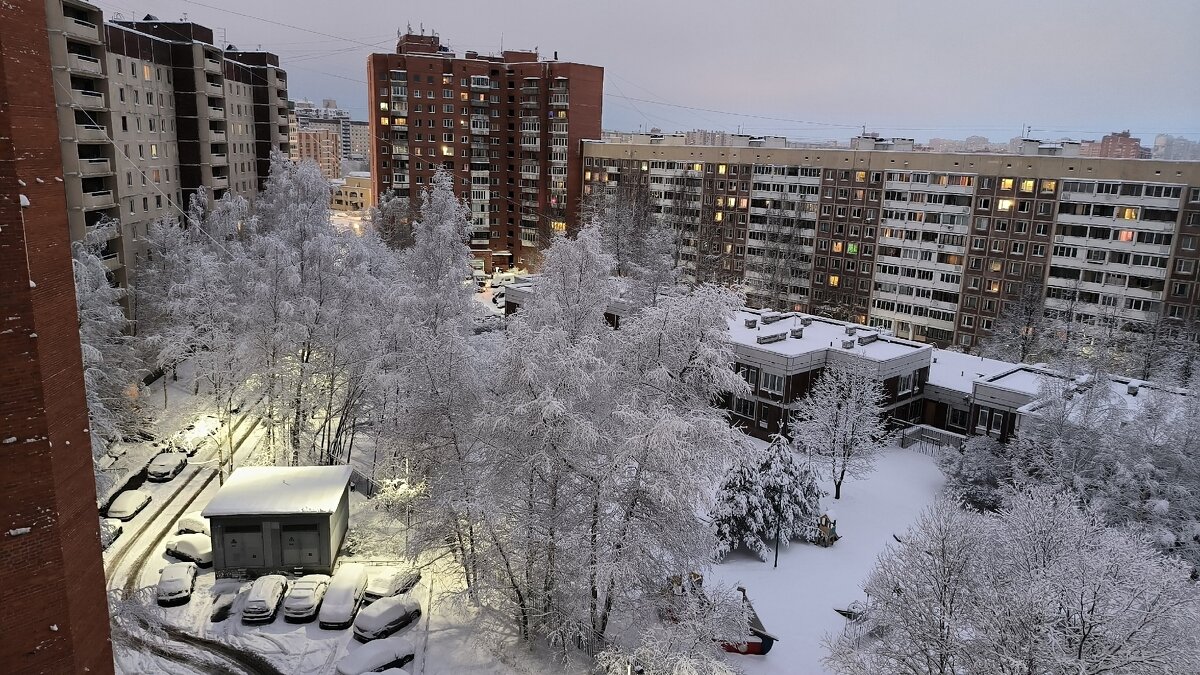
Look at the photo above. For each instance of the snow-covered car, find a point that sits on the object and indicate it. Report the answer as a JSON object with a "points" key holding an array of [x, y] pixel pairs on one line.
{"points": [[388, 582], [343, 597], [195, 548], [192, 522], [377, 655], [128, 504], [304, 599], [196, 435], [110, 529], [166, 466], [385, 616], [176, 583], [265, 596]]}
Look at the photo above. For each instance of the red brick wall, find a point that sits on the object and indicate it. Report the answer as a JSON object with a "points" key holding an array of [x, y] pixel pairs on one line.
{"points": [[53, 609]]}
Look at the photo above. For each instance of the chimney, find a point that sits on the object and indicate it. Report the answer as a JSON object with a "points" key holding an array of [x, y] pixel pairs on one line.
{"points": [[1132, 389], [751, 323], [847, 344]]}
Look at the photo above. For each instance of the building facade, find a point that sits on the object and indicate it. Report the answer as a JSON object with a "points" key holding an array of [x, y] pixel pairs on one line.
{"points": [[320, 144], [930, 246], [52, 584], [507, 127], [353, 193], [1117, 145], [150, 113]]}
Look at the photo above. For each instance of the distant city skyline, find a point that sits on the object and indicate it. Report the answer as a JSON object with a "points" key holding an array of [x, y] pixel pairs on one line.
{"points": [[939, 69]]}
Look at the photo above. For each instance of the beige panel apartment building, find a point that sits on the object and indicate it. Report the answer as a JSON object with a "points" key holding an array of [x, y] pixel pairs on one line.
{"points": [[321, 144], [931, 246], [151, 112]]}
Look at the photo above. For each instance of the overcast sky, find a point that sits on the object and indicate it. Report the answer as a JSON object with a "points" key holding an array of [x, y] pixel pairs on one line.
{"points": [[819, 70]]}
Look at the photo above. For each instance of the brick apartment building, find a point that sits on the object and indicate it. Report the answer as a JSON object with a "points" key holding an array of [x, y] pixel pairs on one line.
{"points": [[930, 246], [1117, 145], [149, 113], [52, 586], [508, 127]]}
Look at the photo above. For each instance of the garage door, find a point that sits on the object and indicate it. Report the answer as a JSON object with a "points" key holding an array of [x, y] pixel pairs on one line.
{"points": [[301, 545], [243, 547]]}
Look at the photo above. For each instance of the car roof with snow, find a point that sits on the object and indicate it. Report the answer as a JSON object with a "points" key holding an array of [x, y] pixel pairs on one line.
{"points": [[375, 653], [274, 490], [177, 572], [168, 459], [128, 500], [192, 541], [382, 611]]}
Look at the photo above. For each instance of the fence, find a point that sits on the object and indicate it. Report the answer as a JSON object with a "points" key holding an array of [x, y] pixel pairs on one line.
{"points": [[928, 440]]}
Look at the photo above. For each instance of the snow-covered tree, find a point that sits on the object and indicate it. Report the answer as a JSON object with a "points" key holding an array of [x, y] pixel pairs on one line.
{"points": [[393, 221], [110, 375], [840, 422], [641, 247], [978, 471], [769, 498], [1039, 587], [1021, 328]]}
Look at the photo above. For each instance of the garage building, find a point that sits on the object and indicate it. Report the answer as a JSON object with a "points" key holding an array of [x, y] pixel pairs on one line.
{"points": [[269, 519]]}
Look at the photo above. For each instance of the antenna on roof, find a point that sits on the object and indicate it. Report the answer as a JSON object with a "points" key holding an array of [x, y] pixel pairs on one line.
{"points": [[422, 28], [409, 29]]}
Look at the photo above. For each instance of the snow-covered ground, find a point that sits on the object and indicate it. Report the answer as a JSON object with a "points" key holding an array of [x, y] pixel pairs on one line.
{"points": [[796, 601]]}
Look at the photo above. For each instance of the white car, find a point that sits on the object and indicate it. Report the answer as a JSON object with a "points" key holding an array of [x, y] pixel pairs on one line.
{"points": [[110, 529], [195, 548], [196, 435], [343, 597], [166, 466], [386, 616], [304, 599], [128, 504], [192, 522], [387, 582], [377, 655], [176, 583], [263, 601]]}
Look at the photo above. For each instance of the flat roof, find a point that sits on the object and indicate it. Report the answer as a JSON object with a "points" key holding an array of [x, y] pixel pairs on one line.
{"points": [[958, 371], [280, 490], [819, 334], [1024, 379]]}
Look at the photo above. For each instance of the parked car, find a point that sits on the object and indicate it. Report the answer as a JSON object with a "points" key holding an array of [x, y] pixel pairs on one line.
{"points": [[387, 582], [498, 298], [110, 529], [394, 652], [265, 596], [196, 435], [166, 466], [176, 583], [343, 597], [128, 504], [196, 548], [385, 616], [304, 599], [192, 522]]}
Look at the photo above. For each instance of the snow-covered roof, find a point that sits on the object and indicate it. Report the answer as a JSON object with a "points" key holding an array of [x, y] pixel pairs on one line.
{"points": [[274, 490], [359, 174], [804, 333], [376, 653], [957, 371]]}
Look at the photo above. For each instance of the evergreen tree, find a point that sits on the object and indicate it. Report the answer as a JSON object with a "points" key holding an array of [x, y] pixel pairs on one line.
{"points": [[742, 514]]}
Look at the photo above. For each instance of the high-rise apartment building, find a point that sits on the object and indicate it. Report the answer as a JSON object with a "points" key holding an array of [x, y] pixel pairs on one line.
{"points": [[150, 112], [931, 246], [52, 586], [1117, 145], [507, 127], [320, 143]]}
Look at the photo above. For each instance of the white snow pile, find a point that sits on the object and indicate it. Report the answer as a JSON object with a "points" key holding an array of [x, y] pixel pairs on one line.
{"points": [[18, 531]]}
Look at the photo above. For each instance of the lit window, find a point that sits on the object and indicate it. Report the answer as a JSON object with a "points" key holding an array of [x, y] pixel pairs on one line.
{"points": [[718, 216], [732, 200], [559, 225], [860, 176], [1125, 235], [383, 105], [697, 167], [1128, 213], [1048, 185], [743, 202], [852, 249], [1004, 204], [721, 169], [383, 121], [837, 247], [1006, 183], [154, 149], [146, 72], [834, 280], [1027, 185], [993, 286], [645, 166]]}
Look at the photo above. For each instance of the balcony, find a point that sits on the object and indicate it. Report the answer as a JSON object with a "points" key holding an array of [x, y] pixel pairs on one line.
{"points": [[530, 89], [112, 262], [530, 175], [86, 65], [219, 182], [220, 159], [529, 217], [88, 100], [479, 242], [215, 89], [90, 133], [95, 167], [559, 101], [531, 145], [530, 103], [216, 136], [81, 30], [216, 113], [98, 200], [212, 66]]}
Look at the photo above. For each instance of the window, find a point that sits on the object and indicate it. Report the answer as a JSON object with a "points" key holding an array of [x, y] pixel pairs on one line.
{"points": [[750, 375], [772, 383], [743, 407], [1027, 184], [834, 280], [146, 72], [1004, 204], [1006, 183]]}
